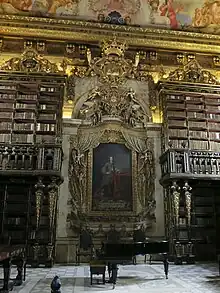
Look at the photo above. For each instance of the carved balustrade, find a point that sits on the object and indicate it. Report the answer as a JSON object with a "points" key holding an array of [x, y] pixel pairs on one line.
{"points": [[189, 164], [28, 159]]}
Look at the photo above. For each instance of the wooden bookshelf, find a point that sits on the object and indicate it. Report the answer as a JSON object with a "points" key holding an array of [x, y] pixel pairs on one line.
{"points": [[191, 147], [30, 135], [192, 121], [30, 112]]}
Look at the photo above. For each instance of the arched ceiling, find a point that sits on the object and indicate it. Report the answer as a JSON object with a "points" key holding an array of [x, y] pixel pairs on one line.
{"points": [[199, 15]]}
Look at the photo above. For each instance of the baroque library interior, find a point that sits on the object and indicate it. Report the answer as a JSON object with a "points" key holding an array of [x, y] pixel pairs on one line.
{"points": [[109, 145]]}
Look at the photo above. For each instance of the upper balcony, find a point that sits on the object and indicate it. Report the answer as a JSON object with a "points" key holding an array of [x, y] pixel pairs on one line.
{"points": [[27, 160], [189, 164]]}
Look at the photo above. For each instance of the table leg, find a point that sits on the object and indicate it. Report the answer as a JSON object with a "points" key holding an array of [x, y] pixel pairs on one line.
{"points": [[103, 277], [114, 274], [109, 270], [166, 265], [20, 268], [25, 270], [7, 271]]}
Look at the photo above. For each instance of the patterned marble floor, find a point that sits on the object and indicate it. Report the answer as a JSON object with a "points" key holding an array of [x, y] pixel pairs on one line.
{"points": [[199, 278]]}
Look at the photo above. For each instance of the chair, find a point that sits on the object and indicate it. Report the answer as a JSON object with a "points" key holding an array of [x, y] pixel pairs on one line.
{"points": [[113, 236], [85, 246], [5, 240], [139, 236]]}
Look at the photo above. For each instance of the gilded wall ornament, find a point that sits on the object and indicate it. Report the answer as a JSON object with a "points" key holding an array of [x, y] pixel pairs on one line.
{"points": [[115, 103], [30, 61], [194, 73], [80, 174], [79, 148], [112, 67]]}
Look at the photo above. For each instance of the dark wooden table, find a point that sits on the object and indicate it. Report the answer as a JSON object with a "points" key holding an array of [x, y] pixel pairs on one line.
{"points": [[12, 254]]}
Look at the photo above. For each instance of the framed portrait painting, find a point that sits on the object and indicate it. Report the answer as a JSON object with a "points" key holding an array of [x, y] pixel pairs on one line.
{"points": [[111, 178]]}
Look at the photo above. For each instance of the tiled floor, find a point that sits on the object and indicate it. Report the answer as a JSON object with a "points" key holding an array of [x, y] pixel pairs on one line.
{"points": [[199, 278]]}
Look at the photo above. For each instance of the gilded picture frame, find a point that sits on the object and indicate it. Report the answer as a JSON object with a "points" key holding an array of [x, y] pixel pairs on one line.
{"points": [[89, 186]]}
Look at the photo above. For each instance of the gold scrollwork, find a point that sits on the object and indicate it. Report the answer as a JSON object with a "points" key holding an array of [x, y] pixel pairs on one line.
{"points": [[112, 136], [192, 72], [77, 30], [30, 61], [111, 67]]}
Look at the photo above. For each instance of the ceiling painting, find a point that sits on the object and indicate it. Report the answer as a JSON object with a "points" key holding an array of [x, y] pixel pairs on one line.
{"points": [[173, 14]]}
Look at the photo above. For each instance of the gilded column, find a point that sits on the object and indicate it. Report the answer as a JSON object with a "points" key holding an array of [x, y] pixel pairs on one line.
{"points": [[188, 200], [39, 193], [176, 201], [52, 200], [175, 194]]}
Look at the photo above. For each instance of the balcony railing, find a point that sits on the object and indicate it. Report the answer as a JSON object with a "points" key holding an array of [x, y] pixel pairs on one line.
{"points": [[29, 159], [190, 164]]}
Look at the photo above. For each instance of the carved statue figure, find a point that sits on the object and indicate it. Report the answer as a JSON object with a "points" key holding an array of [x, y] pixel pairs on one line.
{"points": [[97, 111], [147, 175], [89, 56], [93, 111], [114, 102], [148, 213], [77, 183]]}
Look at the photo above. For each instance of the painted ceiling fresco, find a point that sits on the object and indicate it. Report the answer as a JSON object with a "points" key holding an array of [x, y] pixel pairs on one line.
{"points": [[174, 14]]}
